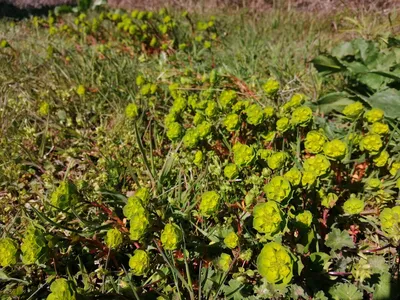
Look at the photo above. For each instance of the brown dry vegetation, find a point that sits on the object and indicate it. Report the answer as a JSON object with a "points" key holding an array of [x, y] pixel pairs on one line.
{"points": [[256, 5], [253, 5]]}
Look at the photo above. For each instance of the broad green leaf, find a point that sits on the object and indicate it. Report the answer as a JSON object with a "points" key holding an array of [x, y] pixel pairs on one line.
{"points": [[383, 289], [356, 67], [339, 239], [345, 291], [343, 50], [232, 291], [333, 102], [319, 261], [378, 264], [326, 64], [372, 80], [387, 100]]}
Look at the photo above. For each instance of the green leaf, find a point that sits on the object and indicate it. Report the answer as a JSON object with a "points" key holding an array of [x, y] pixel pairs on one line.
{"points": [[378, 264], [345, 291], [319, 261], [383, 289], [327, 64], [232, 291], [333, 101], [339, 239], [343, 50], [372, 80], [387, 100]]}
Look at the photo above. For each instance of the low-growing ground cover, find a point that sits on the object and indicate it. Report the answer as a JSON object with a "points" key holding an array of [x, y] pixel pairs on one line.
{"points": [[173, 155]]}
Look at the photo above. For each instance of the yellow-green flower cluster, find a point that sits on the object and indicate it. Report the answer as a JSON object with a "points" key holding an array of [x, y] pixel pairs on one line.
{"points": [[277, 160], [231, 122], [283, 124], [240, 106], [8, 250], [61, 289], [227, 98], [114, 238], [191, 138], [371, 143], [278, 189], [315, 141], [139, 262], [304, 219], [44, 108], [211, 109], [394, 168], [198, 158], [34, 246], [335, 149], [135, 212], [171, 236], [374, 115], [267, 218], [353, 110], [174, 131], [80, 90], [301, 116], [353, 206], [209, 203], [269, 112], [317, 164], [231, 171], [179, 105], [275, 264], [204, 129], [243, 154], [381, 158], [293, 176], [374, 183], [308, 178], [390, 222], [328, 200], [131, 111], [379, 128], [271, 87], [231, 240], [65, 195], [224, 262], [143, 194], [255, 114]]}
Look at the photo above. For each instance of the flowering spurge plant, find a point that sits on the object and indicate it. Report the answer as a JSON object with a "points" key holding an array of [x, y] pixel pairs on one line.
{"points": [[188, 183], [147, 32]]}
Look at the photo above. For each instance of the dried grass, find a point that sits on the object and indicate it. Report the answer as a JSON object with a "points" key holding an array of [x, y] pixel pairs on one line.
{"points": [[209, 5]]}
